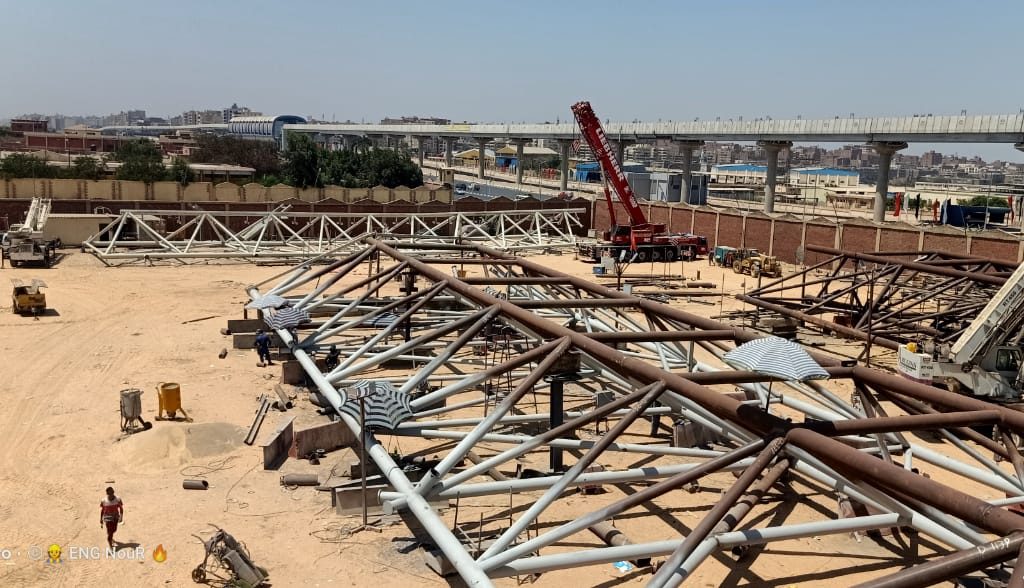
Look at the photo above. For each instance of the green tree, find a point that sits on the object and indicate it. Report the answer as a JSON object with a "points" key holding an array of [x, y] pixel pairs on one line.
{"points": [[180, 172], [303, 161], [141, 161], [263, 156], [990, 201], [22, 165], [307, 164], [86, 168]]}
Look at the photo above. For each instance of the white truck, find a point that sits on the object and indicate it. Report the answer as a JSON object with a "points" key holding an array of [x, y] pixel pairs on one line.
{"points": [[25, 244]]}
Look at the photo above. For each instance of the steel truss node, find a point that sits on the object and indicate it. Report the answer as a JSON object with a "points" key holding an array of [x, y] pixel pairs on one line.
{"points": [[190, 236], [628, 369]]}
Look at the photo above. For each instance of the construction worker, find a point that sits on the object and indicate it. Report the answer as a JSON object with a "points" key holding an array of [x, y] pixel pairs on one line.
{"points": [[111, 513], [263, 347], [333, 358]]}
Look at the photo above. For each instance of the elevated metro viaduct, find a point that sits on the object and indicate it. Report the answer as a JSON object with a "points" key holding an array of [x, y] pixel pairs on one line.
{"points": [[886, 135]]}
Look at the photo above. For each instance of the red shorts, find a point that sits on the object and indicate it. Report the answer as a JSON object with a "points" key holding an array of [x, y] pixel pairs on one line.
{"points": [[111, 527]]}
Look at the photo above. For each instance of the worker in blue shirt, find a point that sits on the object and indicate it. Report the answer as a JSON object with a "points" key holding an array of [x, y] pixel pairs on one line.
{"points": [[263, 347]]}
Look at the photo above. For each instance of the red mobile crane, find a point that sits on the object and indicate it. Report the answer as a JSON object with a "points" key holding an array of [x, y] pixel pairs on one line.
{"points": [[648, 241]]}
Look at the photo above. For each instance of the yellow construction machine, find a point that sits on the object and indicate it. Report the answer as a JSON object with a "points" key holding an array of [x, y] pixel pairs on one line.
{"points": [[755, 263]]}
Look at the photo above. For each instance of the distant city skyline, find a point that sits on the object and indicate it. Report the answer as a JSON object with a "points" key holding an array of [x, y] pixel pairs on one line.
{"points": [[479, 62]]}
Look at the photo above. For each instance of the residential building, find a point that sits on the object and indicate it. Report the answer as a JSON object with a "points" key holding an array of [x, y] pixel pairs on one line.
{"points": [[23, 125]]}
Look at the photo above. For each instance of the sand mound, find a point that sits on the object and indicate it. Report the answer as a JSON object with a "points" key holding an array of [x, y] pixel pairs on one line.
{"points": [[173, 444]]}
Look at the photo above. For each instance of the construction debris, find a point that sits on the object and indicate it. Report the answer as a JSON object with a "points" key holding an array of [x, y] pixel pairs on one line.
{"points": [[257, 422]]}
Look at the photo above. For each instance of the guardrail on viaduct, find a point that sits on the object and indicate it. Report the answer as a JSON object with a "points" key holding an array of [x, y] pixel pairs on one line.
{"points": [[996, 128]]}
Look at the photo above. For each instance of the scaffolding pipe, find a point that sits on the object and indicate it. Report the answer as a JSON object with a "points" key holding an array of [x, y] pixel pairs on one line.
{"points": [[607, 512], [669, 575], [479, 489], [651, 394], [557, 561]]}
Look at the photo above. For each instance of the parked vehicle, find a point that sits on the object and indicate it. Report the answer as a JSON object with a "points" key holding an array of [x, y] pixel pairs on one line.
{"points": [[724, 255], [640, 240], [755, 263], [28, 298]]}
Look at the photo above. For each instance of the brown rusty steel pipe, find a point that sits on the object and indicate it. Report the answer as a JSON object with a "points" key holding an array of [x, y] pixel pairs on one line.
{"points": [[579, 303], [613, 537], [745, 377], [814, 320], [1017, 576], [723, 406], [465, 261], [739, 335], [749, 500], [838, 455], [952, 565], [676, 293], [655, 336], [471, 248], [892, 424], [861, 465], [912, 406], [931, 395], [915, 265], [664, 577], [513, 281]]}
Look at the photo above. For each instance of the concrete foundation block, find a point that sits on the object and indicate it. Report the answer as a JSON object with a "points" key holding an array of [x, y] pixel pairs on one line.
{"points": [[328, 436], [292, 373], [245, 325], [248, 340], [277, 445]]}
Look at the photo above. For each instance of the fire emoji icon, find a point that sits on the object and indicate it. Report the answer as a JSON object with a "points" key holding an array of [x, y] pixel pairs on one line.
{"points": [[160, 554]]}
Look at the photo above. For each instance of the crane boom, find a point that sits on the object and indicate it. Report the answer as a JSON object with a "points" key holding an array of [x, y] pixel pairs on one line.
{"points": [[1002, 317], [987, 359], [593, 132]]}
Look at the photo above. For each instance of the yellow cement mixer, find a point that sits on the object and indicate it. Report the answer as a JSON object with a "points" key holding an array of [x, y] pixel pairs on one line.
{"points": [[169, 395]]}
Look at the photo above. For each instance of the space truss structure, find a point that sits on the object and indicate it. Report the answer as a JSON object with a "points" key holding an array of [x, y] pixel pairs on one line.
{"points": [[509, 361], [151, 236], [891, 297]]}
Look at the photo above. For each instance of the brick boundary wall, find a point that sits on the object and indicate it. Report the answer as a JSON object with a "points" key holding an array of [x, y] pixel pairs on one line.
{"points": [[786, 235]]}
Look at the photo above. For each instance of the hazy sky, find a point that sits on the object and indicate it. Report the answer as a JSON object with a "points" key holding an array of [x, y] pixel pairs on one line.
{"points": [[516, 61]]}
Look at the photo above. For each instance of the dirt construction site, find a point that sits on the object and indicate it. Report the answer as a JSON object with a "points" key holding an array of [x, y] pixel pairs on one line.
{"points": [[551, 427]]}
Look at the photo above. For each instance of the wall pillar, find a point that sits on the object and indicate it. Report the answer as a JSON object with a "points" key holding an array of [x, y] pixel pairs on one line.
{"points": [[563, 165], [421, 148], [885, 151], [772, 149]]}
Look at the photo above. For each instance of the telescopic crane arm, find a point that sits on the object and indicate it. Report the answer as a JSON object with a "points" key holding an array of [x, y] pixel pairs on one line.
{"points": [[593, 132]]}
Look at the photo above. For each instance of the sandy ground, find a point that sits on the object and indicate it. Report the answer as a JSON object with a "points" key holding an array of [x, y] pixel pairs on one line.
{"points": [[114, 328]]}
